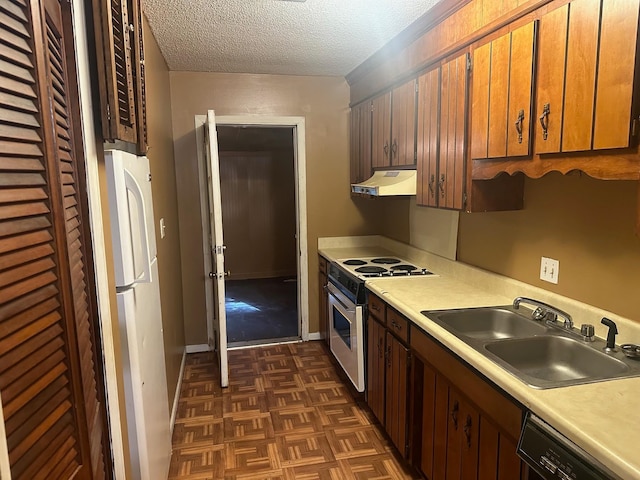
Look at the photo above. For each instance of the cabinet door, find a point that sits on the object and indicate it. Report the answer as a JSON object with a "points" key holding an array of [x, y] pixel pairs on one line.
{"points": [[427, 138], [501, 109], [360, 142], [616, 67], [520, 83], [552, 47], [376, 368], [453, 111], [580, 75], [397, 397], [403, 124], [381, 131]]}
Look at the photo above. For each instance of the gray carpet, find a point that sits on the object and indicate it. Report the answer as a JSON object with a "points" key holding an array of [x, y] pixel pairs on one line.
{"points": [[261, 309]]}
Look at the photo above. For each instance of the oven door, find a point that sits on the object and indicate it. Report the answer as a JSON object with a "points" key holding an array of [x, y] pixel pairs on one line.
{"points": [[347, 335]]}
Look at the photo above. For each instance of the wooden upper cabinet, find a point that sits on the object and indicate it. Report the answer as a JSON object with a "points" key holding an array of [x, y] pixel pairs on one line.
{"points": [[585, 76], [393, 127], [501, 109], [441, 134], [453, 133], [403, 124], [381, 131], [361, 142], [427, 138], [120, 60], [616, 68], [552, 49]]}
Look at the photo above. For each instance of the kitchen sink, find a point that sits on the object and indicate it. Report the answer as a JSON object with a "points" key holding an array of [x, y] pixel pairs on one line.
{"points": [[543, 354], [556, 359], [487, 323]]}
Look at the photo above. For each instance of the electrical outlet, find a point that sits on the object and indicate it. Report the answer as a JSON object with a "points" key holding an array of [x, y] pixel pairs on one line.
{"points": [[549, 270]]}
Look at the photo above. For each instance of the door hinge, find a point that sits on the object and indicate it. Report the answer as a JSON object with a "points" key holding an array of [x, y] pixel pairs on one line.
{"points": [[464, 200], [416, 87], [219, 249], [468, 62], [108, 112]]}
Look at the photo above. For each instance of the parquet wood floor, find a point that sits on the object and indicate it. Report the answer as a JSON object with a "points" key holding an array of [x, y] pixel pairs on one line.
{"points": [[286, 415]]}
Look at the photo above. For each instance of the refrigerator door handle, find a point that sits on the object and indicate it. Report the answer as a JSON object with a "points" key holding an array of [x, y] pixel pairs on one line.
{"points": [[134, 188]]}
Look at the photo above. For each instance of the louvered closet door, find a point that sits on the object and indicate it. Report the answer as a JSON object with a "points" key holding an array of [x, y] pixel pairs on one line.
{"points": [[54, 414]]}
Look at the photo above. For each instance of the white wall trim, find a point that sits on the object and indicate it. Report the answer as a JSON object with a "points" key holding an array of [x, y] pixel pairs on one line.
{"points": [[314, 336], [5, 466], [176, 397], [203, 347], [300, 165], [98, 240]]}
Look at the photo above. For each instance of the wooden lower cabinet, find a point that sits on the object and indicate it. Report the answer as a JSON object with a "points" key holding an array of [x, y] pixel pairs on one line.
{"points": [[396, 404], [462, 428], [388, 360], [323, 300]]}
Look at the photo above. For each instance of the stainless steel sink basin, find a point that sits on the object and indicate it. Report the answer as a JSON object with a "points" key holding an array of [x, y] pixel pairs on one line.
{"points": [[541, 354], [487, 323], [556, 359]]}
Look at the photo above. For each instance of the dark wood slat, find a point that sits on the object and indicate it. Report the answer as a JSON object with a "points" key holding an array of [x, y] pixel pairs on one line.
{"points": [[58, 387], [14, 40], [27, 286], [14, 10], [10, 276], [15, 148], [24, 256], [32, 227], [27, 309], [63, 458], [20, 164], [9, 84], [45, 380], [13, 25], [15, 56], [22, 194], [31, 353], [18, 119], [17, 72], [23, 210], [29, 378]]}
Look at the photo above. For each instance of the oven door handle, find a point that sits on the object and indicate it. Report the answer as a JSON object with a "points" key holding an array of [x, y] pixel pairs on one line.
{"points": [[334, 294]]}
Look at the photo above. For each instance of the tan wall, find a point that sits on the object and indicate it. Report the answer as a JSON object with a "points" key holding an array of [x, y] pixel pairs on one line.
{"points": [[586, 224], [165, 206], [323, 101]]}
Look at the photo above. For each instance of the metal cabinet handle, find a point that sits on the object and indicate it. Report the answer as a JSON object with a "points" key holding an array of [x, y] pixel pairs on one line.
{"points": [[386, 148], [519, 123], [394, 147], [432, 182], [380, 347], [375, 307], [441, 185], [454, 414], [396, 325], [467, 430], [389, 356], [544, 120]]}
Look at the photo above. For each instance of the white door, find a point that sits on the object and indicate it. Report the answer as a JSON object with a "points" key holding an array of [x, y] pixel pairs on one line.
{"points": [[217, 245]]}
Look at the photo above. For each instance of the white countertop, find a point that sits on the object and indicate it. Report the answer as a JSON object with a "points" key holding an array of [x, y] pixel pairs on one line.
{"points": [[603, 418]]}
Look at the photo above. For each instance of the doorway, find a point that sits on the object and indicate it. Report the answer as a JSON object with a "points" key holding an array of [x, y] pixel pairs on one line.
{"points": [[257, 186]]}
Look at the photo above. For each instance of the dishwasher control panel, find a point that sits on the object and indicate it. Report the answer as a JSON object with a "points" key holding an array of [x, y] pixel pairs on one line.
{"points": [[553, 456]]}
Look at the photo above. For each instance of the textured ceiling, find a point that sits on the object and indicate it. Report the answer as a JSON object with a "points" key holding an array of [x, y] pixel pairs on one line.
{"points": [[315, 37]]}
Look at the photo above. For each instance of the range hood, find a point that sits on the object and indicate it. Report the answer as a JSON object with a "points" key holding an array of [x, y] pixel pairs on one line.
{"points": [[386, 183]]}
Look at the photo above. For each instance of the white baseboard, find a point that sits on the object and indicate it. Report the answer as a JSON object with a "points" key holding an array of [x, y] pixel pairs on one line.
{"points": [[203, 347], [176, 398], [315, 336]]}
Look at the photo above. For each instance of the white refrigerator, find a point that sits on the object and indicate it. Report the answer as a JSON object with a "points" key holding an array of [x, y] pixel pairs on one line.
{"points": [[139, 314]]}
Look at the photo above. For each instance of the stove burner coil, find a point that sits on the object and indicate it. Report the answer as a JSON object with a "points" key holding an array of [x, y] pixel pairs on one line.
{"points": [[354, 262], [370, 269], [386, 260], [403, 268]]}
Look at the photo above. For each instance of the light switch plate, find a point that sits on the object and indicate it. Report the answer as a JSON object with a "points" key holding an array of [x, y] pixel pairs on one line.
{"points": [[549, 270]]}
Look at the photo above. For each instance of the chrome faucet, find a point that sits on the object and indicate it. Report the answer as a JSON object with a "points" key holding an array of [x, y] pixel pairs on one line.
{"points": [[544, 311]]}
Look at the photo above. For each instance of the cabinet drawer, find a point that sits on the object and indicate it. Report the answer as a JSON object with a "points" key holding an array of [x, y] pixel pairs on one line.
{"points": [[498, 408], [322, 264], [398, 325], [377, 308]]}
